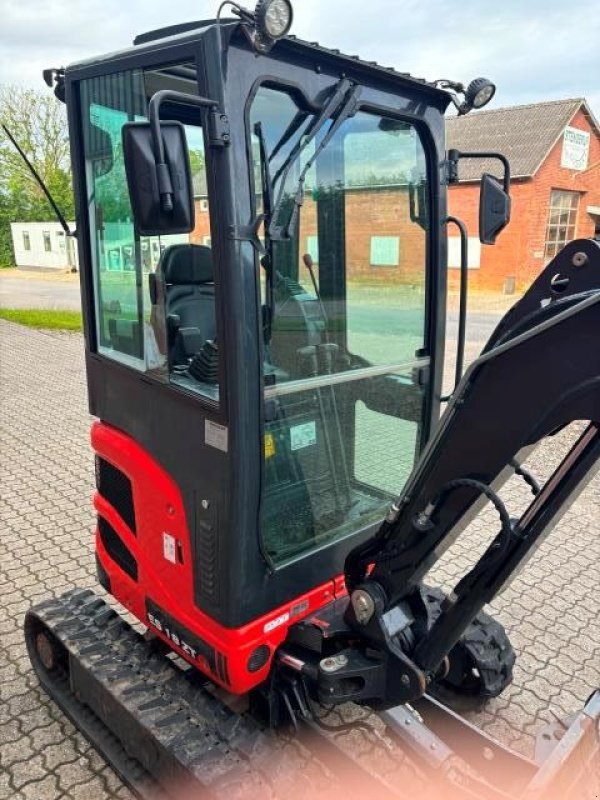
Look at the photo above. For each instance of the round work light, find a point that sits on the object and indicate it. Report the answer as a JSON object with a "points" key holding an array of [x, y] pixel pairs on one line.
{"points": [[479, 93], [273, 18]]}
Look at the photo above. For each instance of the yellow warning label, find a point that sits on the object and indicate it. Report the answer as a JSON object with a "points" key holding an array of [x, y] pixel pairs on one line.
{"points": [[269, 445]]}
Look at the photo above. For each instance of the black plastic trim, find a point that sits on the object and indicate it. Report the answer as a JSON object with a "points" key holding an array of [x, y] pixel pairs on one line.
{"points": [[117, 549], [115, 487]]}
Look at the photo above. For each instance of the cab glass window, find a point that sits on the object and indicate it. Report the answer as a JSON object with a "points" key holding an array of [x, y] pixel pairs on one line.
{"points": [[154, 296]]}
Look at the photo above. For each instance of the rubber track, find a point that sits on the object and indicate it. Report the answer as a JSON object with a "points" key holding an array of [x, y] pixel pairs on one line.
{"points": [[228, 755]]}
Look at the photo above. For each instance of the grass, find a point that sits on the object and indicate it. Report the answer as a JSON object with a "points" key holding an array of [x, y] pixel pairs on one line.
{"points": [[56, 320]]}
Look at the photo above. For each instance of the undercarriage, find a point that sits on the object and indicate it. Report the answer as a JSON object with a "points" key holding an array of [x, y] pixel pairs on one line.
{"points": [[167, 732]]}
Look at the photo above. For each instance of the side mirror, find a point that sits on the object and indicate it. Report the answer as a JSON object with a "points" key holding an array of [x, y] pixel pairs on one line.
{"points": [[99, 150], [494, 197], [157, 164], [494, 209], [160, 184]]}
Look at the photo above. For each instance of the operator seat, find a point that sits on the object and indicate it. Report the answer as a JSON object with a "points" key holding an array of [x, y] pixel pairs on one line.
{"points": [[187, 272]]}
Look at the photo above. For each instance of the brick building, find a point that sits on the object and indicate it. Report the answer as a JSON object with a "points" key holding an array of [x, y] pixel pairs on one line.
{"points": [[554, 153], [382, 244]]}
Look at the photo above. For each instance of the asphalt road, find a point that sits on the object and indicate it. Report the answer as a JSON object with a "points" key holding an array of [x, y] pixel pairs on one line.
{"points": [[28, 292], [43, 292]]}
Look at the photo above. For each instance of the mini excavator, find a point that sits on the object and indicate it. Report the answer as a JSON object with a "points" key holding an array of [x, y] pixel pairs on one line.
{"points": [[261, 227]]}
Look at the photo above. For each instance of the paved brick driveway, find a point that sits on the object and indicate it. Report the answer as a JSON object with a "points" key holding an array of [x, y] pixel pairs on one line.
{"points": [[46, 547], [46, 479]]}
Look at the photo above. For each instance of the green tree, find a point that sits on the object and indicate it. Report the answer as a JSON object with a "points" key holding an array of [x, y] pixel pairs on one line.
{"points": [[37, 120], [6, 250]]}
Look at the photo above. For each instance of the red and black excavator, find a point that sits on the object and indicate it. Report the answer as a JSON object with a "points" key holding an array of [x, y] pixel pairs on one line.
{"points": [[262, 241]]}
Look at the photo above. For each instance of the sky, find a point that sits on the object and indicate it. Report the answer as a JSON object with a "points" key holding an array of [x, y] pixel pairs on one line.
{"points": [[533, 50]]}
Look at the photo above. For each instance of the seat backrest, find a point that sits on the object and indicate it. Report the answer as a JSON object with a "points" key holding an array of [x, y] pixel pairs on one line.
{"points": [[187, 271]]}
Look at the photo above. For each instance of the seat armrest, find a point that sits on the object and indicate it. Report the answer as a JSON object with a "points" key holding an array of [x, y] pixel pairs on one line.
{"points": [[173, 322]]}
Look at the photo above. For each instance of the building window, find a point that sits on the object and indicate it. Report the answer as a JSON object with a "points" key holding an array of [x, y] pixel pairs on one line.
{"points": [[47, 241], [385, 251], [455, 250], [26, 241], [562, 219], [203, 205]]}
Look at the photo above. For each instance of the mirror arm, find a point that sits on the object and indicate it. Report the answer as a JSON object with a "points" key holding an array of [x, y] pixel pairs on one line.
{"points": [[163, 175], [454, 157], [462, 312]]}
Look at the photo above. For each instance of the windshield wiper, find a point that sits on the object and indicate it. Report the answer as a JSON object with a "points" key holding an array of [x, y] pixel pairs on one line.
{"points": [[330, 107], [265, 171], [347, 110], [267, 203], [299, 119], [340, 106]]}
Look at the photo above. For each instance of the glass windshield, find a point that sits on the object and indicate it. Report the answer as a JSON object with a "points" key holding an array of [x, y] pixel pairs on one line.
{"points": [[343, 321]]}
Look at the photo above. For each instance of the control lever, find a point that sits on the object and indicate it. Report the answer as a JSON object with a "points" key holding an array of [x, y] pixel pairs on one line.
{"points": [[310, 266], [327, 354]]}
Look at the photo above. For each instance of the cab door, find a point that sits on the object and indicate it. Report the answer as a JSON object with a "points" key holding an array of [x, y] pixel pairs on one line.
{"points": [[347, 363]]}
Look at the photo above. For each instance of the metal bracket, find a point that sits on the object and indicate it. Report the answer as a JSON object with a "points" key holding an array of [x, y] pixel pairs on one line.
{"points": [[454, 156], [408, 725], [219, 134], [450, 167], [248, 233], [574, 759]]}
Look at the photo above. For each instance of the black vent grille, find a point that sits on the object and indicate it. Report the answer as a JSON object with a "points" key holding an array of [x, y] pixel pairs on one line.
{"points": [[207, 561], [115, 488], [116, 549]]}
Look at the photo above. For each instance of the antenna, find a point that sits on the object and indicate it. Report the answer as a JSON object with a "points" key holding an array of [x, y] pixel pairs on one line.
{"points": [[59, 215]]}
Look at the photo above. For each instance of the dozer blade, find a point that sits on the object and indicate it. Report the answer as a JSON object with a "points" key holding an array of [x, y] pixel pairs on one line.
{"points": [[566, 766]]}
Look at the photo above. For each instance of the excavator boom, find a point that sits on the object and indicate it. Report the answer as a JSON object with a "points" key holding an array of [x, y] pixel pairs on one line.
{"points": [[539, 372]]}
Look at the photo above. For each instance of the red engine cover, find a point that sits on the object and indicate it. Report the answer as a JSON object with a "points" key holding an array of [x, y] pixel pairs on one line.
{"points": [[162, 596]]}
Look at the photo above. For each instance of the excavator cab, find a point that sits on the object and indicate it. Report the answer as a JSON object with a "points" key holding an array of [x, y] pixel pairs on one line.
{"points": [[265, 356]]}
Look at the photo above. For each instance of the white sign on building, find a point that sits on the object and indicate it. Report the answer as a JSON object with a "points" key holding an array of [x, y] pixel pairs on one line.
{"points": [[576, 149]]}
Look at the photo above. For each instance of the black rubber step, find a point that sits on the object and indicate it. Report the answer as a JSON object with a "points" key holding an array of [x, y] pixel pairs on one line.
{"points": [[481, 663]]}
